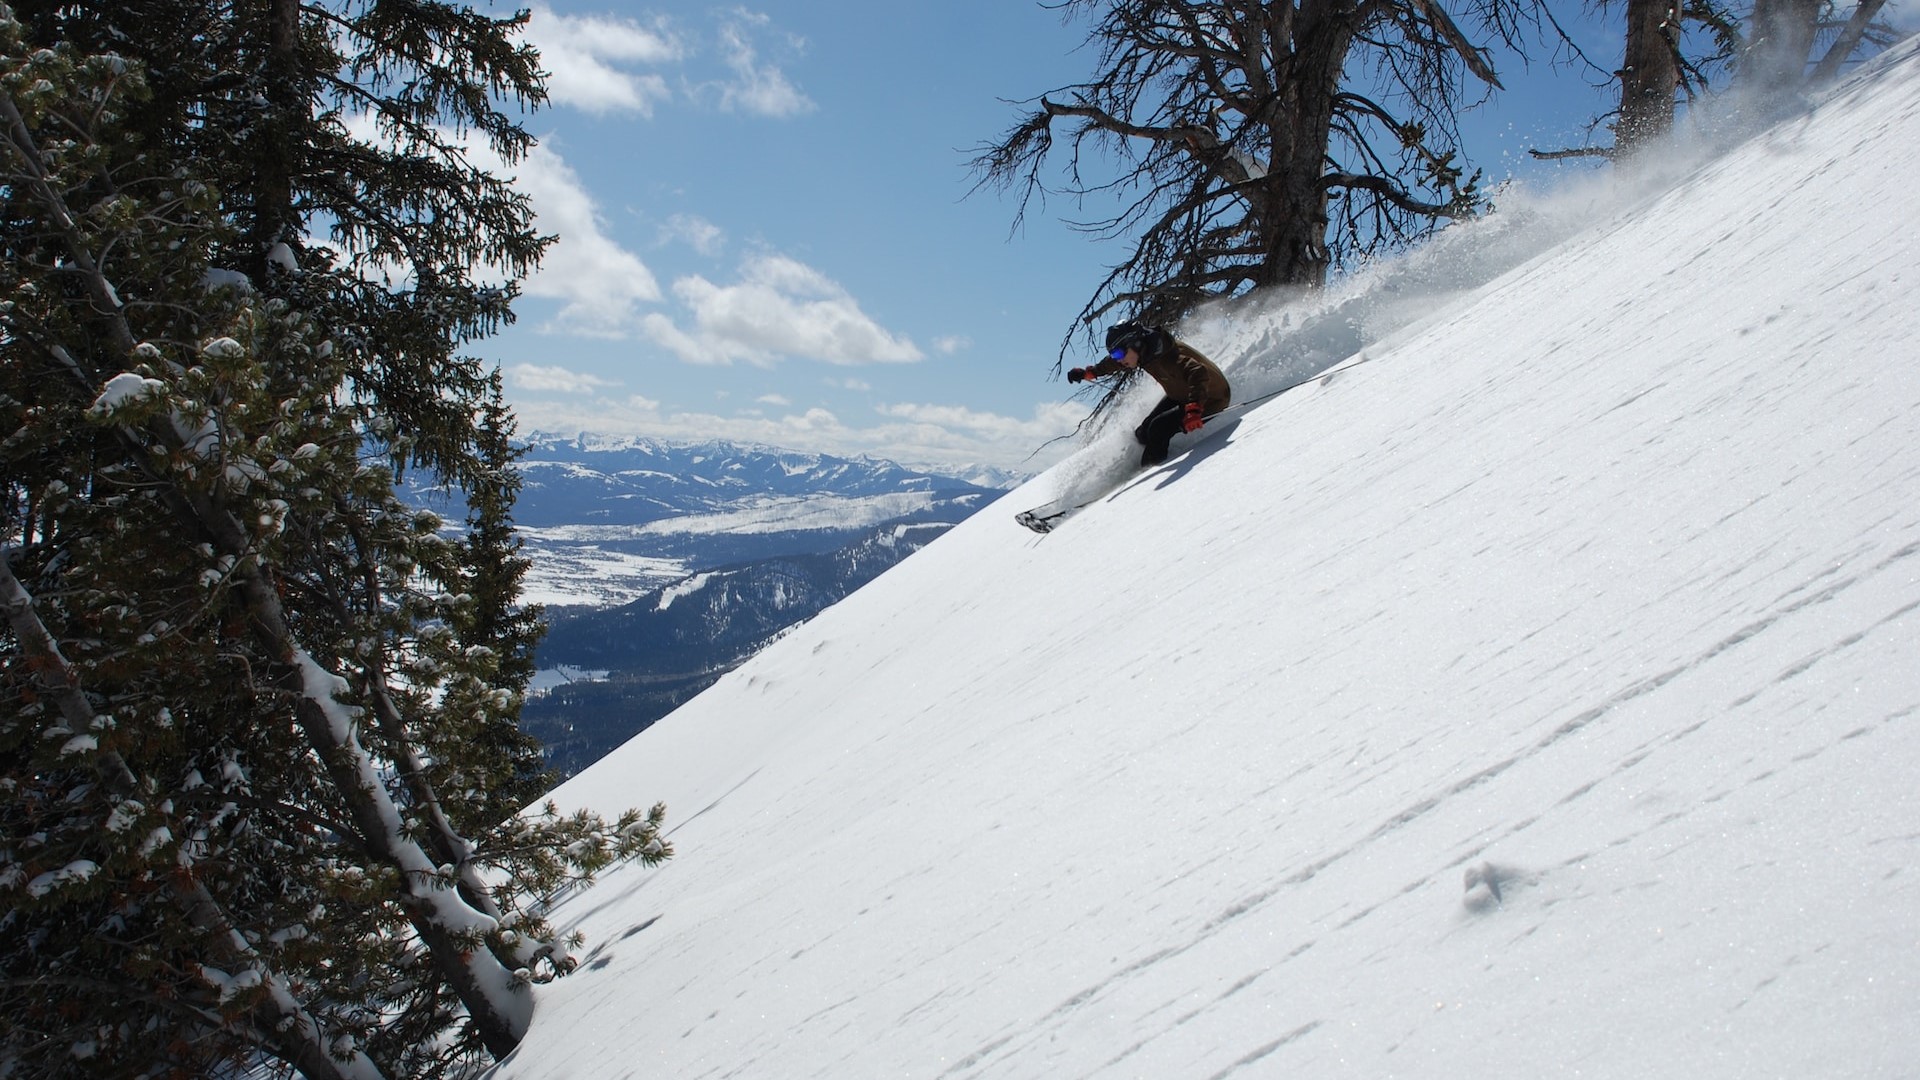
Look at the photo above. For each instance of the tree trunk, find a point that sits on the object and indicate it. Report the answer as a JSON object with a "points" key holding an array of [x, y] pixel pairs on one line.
{"points": [[500, 1012], [1649, 74], [1293, 226], [275, 146], [1849, 39], [1779, 38]]}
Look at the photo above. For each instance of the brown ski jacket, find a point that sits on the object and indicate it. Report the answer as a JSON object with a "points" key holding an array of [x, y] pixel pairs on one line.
{"points": [[1182, 372]]}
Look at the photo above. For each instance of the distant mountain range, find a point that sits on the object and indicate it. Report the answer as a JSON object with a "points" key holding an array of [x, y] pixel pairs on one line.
{"points": [[611, 519], [664, 565], [600, 480]]}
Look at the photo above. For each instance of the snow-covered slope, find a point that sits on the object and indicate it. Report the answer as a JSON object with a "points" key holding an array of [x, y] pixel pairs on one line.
{"points": [[1603, 584]]}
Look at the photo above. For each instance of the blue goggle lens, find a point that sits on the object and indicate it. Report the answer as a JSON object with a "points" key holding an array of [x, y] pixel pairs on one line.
{"points": [[1116, 354]]}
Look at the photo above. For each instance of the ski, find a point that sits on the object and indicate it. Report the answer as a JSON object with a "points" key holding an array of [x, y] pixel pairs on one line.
{"points": [[1049, 516], [1043, 522]]}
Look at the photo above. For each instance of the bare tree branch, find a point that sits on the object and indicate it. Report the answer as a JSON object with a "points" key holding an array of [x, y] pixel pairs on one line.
{"points": [[1850, 38], [1235, 153]]}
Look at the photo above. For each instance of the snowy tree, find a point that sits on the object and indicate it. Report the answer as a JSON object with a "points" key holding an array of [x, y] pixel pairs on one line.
{"points": [[261, 765], [1252, 151], [495, 633]]}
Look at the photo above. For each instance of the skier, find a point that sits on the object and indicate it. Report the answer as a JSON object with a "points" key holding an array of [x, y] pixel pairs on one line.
{"points": [[1195, 388]]}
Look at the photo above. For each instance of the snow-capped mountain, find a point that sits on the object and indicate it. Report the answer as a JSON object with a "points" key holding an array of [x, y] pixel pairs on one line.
{"points": [[665, 565], [652, 654], [609, 519], [1533, 694], [604, 480]]}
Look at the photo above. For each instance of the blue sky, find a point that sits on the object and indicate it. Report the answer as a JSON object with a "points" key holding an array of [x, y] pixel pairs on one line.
{"points": [[766, 233]]}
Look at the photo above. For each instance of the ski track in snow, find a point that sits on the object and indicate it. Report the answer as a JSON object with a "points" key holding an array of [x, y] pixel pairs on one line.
{"points": [[1605, 587]]}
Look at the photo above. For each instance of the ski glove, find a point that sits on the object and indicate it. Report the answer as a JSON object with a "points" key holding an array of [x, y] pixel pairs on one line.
{"points": [[1192, 421], [1079, 374]]}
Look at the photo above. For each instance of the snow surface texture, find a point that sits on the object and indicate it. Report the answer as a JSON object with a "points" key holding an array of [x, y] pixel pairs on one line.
{"points": [[1537, 698]]}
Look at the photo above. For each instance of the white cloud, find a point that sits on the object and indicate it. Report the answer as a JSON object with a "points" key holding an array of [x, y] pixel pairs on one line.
{"points": [[609, 63], [757, 87], [944, 416], [687, 347], [588, 59], [991, 426], [780, 307], [537, 377], [694, 231], [598, 282], [773, 399], [952, 343], [910, 433]]}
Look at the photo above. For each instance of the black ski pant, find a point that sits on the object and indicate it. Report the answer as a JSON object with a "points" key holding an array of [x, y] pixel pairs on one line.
{"points": [[1158, 429]]}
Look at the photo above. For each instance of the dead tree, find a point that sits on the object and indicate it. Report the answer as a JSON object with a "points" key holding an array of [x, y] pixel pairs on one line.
{"points": [[1678, 50], [1783, 36], [1649, 73], [1779, 37], [1245, 153]]}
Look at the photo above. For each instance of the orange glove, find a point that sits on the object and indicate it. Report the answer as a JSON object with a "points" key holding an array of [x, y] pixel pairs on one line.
{"points": [[1192, 420]]}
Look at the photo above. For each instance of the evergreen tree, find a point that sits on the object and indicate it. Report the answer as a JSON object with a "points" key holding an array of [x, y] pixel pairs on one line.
{"points": [[260, 759], [492, 628]]}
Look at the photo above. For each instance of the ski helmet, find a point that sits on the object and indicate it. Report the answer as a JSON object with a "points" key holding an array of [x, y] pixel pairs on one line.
{"points": [[1126, 335]]}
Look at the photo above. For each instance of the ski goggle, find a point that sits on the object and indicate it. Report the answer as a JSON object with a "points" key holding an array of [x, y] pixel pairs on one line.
{"points": [[1117, 354]]}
